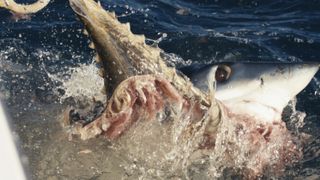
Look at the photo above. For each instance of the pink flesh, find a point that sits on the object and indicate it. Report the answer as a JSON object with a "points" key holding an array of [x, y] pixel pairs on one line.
{"points": [[267, 145], [141, 98]]}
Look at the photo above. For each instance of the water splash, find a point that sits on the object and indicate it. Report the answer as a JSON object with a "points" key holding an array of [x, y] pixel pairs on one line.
{"points": [[296, 117], [81, 83], [317, 82]]}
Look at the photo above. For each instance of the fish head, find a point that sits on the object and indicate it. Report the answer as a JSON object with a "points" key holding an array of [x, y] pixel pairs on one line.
{"points": [[121, 53], [271, 85], [101, 26], [251, 97], [247, 87]]}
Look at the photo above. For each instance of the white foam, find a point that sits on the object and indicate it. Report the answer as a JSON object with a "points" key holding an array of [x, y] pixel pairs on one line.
{"points": [[82, 82]]}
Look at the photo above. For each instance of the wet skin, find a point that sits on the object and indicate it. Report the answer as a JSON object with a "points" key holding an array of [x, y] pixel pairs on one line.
{"points": [[198, 120]]}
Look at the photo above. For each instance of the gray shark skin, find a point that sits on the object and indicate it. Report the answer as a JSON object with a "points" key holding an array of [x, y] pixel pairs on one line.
{"points": [[273, 84], [155, 111]]}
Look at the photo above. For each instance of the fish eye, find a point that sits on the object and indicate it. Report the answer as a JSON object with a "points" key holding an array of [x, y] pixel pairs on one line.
{"points": [[223, 73]]}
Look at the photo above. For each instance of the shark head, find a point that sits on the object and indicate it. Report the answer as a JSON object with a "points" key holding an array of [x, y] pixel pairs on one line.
{"points": [[251, 97], [233, 110], [256, 88]]}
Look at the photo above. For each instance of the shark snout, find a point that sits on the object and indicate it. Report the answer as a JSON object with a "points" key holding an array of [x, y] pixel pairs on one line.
{"points": [[271, 84]]}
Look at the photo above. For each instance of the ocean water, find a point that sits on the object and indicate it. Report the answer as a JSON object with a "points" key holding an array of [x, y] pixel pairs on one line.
{"points": [[44, 59]]}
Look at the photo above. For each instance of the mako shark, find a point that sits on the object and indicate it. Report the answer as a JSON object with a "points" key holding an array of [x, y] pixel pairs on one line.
{"points": [[233, 105], [228, 112]]}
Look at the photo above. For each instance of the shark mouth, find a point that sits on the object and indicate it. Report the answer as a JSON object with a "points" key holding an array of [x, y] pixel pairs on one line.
{"points": [[139, 98], [230, 114], [249, 133]]}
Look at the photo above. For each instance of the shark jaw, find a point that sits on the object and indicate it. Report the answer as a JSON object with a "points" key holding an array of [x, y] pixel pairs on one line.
{"points": [[248, 135], [229, 125]]}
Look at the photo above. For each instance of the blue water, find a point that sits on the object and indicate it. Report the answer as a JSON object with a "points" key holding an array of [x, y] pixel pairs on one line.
{"points": [[202, 31]]}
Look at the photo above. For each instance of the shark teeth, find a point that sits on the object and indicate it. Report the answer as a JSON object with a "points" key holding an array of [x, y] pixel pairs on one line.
{"points": [[85, 32], [97, 58], [127, 26], [113, 14], [99, 3], [91, 45]]}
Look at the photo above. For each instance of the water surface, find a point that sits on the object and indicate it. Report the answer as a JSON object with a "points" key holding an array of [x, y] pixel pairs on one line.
{"points": [[39, 56]]}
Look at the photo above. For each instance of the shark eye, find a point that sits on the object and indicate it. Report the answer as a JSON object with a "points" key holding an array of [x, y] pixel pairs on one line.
{"points": [[223, 73]]}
